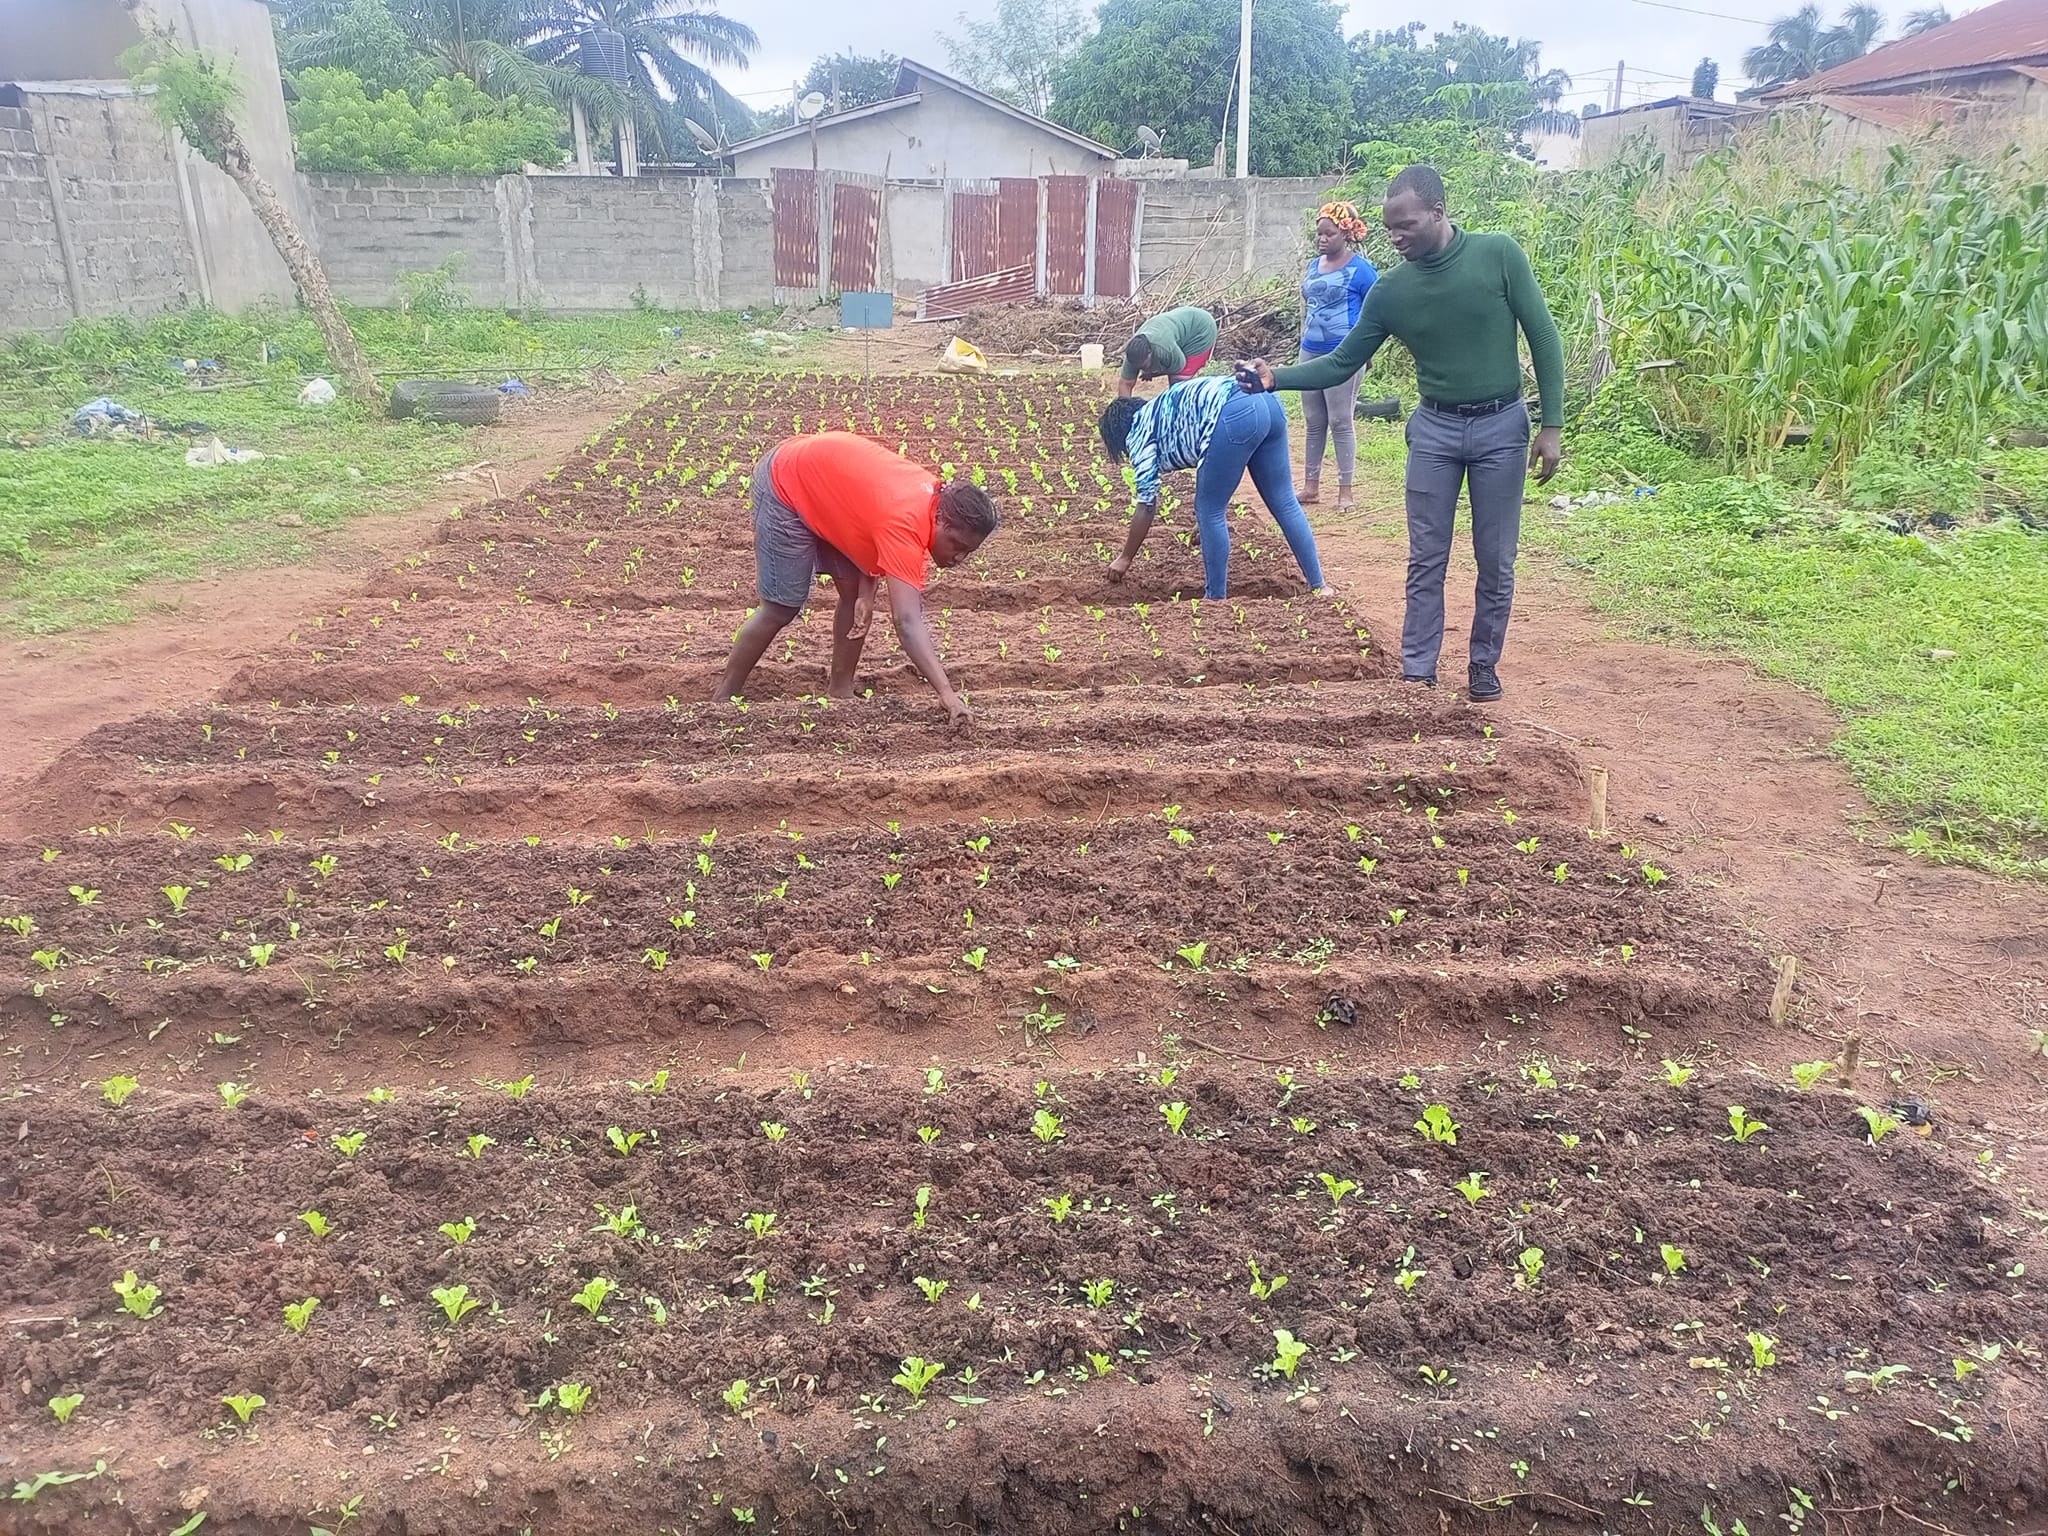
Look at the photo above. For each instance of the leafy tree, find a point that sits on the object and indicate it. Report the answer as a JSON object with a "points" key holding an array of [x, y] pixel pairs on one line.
{"points": [[1925, 21], [1706, 79], [451, 128], [1169, 64], [197, 95], [1017, 55], [1803, 44], [860, 79], [1393, 77], [1497, 81]]}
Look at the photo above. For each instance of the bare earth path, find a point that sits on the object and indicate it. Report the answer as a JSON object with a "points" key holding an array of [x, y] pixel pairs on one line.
{"points": [[1729, 773]]}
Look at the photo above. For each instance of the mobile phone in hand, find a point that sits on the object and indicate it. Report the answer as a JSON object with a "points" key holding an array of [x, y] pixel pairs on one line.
{"points": [[1248, 379]]}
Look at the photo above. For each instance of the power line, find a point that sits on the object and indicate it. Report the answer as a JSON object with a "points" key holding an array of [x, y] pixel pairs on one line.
{"points": [[1666, 5]]}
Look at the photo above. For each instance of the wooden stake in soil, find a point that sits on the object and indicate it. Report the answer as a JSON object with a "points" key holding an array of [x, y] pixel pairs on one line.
{"points": [[1596, 785], [1781, 994], [1850, 1050]]}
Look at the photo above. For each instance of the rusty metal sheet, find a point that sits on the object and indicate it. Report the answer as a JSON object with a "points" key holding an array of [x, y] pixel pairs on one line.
{"points": [[976, 216], [795, 195], [1016, 221], [856, 236], [948, 301], [1066, 235], [1116, 223]]}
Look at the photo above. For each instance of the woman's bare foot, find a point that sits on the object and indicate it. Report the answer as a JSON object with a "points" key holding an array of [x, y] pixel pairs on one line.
{"points": [[1308, 495], [1344, 502]]}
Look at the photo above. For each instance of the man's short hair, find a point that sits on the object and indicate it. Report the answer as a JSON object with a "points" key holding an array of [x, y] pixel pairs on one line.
{"points": [[1138, 351], [966, 509], [1420, 181]]}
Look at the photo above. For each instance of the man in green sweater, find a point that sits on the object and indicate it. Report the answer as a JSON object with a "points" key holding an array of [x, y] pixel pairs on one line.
{"points": [[1175, 345], [1456, 300]]}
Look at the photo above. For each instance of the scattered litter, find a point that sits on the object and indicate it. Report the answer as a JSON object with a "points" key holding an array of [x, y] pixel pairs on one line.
{"points": [[515, 387], [1599, 499], [1338, 1009], [962, 357], [318, 392], [207, 454], [194, 367], [98, 417]]}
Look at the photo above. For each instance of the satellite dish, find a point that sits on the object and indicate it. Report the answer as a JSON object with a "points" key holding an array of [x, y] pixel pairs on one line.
{"points": [[810, 106], [705, 141], [602, 52], [1149, 140]]}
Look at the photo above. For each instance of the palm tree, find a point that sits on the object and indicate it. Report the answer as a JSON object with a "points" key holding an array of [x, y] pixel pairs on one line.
{"points": [[663, 41], [1492, 76], [1925, 21], [1801, 44]]}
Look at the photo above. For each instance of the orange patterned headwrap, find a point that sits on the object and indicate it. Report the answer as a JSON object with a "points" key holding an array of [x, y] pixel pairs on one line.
{"points": [[1345, 217]]}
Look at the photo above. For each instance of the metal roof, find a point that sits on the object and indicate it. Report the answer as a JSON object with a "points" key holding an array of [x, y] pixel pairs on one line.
{"points": [[829, 121], [2007, 33]]}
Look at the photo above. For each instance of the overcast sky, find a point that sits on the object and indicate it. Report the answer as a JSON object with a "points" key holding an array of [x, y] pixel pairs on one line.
{"points": [[1660, 43]]}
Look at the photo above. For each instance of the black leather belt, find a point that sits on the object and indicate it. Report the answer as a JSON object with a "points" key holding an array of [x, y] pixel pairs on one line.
{"points": [[1476, 408]]}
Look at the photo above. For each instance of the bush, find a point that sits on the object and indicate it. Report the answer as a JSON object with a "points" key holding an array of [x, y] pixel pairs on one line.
{"points": [[450, 128]]}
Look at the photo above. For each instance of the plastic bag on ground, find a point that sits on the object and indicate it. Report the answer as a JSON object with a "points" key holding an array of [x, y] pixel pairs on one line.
{"points": [[102, 415], [962, 357], [318, 392], [207, 454]]}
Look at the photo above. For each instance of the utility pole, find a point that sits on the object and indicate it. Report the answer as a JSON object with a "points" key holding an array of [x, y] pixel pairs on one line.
{"points": [[1244, 90], [1614, 96]]}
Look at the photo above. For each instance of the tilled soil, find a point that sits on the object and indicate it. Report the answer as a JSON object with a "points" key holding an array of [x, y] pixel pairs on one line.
{"points": [[463, 868]]}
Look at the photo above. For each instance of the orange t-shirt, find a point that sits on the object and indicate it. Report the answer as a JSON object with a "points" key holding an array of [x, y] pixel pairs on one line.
{"points": [[874, 506]]}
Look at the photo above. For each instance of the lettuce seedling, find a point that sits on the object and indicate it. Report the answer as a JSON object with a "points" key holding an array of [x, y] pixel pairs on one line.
{"points": [[520, 1088], [1806, 1073], [1880, 1124], [477, 1143], [316, 1224], [757, 1285], [63, 1407], [1261, 1287], [1437, 1125], [1763, 1350], [456, 1301], [624, 1222], [977, 956], [1531, 1260], [760, 1223], [177, 895], [591, 1298], [1098, 1292], [1194, 953], [1337, 1188], [934, 1080], [1303, 1126], [571, 1396], [1674, 1258], [1046, 1126], [916, 1375], [933, 1289], [774, 1130], [736, 1396], [299, 1313], [245, 1407], [1103, 1364], [623, 1142], [458, 1232], [260, 954], [350, 1144], [115, 1090], [1287, 1352], [232, 1094], [928, 1134], [1060, 1207], [1176, 1115], [1473, 1187], [922, 1203], [1742, 1125], [763, 959], [1676, 1075], [655, 1084]]}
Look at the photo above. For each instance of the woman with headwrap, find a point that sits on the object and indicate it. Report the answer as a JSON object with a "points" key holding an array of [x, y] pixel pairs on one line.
{"points": [[1334, 293]]}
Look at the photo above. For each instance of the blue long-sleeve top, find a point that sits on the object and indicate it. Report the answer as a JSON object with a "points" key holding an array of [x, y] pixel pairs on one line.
{"points": [[1334, 301]]}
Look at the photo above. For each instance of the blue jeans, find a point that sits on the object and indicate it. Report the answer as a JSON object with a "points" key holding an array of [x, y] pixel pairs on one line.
{"points": [[1251, 434]]}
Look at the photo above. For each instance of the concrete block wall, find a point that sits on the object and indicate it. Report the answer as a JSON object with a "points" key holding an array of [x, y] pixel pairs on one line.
{"points": [[746, 243], [33, 297], [598, 242], [369, 229], [1211, 231]]}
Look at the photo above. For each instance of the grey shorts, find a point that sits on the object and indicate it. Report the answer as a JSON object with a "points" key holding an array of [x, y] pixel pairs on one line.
{"points": [[785, 549]]}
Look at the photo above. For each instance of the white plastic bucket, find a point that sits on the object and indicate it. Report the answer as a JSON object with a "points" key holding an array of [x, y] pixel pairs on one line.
{"points": [[1091, 356]]}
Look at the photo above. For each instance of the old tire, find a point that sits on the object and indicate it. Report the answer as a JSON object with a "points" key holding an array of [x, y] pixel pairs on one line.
{"points": [[468, 405]]}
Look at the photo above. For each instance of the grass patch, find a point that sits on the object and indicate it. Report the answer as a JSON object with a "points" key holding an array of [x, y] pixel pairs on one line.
{"points": [[1933, 645], [84, 524]]}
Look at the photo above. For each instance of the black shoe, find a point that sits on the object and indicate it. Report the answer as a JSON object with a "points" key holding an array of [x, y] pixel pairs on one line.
{"points": [[1427, 682], [1482, 684]]}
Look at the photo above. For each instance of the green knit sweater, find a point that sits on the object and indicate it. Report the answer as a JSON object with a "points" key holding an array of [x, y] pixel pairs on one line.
{"points": [[1457, 312]]}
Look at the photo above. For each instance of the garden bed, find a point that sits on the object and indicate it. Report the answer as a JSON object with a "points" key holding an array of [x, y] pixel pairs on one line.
{"points": [[1204, 908]]}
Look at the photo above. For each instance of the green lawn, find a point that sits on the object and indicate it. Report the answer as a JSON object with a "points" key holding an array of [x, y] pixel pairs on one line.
{"points": [[1933, 646], [83, 523]]}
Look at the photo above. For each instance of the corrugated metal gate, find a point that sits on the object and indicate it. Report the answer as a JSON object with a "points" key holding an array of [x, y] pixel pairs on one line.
{"points": [[977, 220], [1116, 237], [856, 234], [1066, 235], [795, 201], [1017, 221]]}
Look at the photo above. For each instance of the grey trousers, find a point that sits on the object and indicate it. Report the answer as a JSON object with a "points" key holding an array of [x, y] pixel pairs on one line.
{"points": [[1330, 411], [1490, 455]]}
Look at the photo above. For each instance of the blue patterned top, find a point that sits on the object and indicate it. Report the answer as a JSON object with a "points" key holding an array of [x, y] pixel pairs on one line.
{"points": [[1333, 300], [1173, 429]]}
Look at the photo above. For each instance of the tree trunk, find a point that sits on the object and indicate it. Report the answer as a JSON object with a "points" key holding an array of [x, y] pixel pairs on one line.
{"points": [[216, 138], [300, 261], [579, 121]]}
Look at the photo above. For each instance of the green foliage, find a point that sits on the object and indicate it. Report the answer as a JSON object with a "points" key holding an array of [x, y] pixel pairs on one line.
{"points": [[1169, 64], [1018, 53], [193, 92], [449, 128]]}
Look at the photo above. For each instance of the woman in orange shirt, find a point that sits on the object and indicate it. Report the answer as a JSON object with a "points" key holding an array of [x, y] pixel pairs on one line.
{"points": [[847, 506]]}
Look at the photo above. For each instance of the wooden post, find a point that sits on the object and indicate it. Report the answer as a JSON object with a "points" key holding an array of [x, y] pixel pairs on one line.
{"points": [[1851, 1049], [1596, 784], [1781, 994]]}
